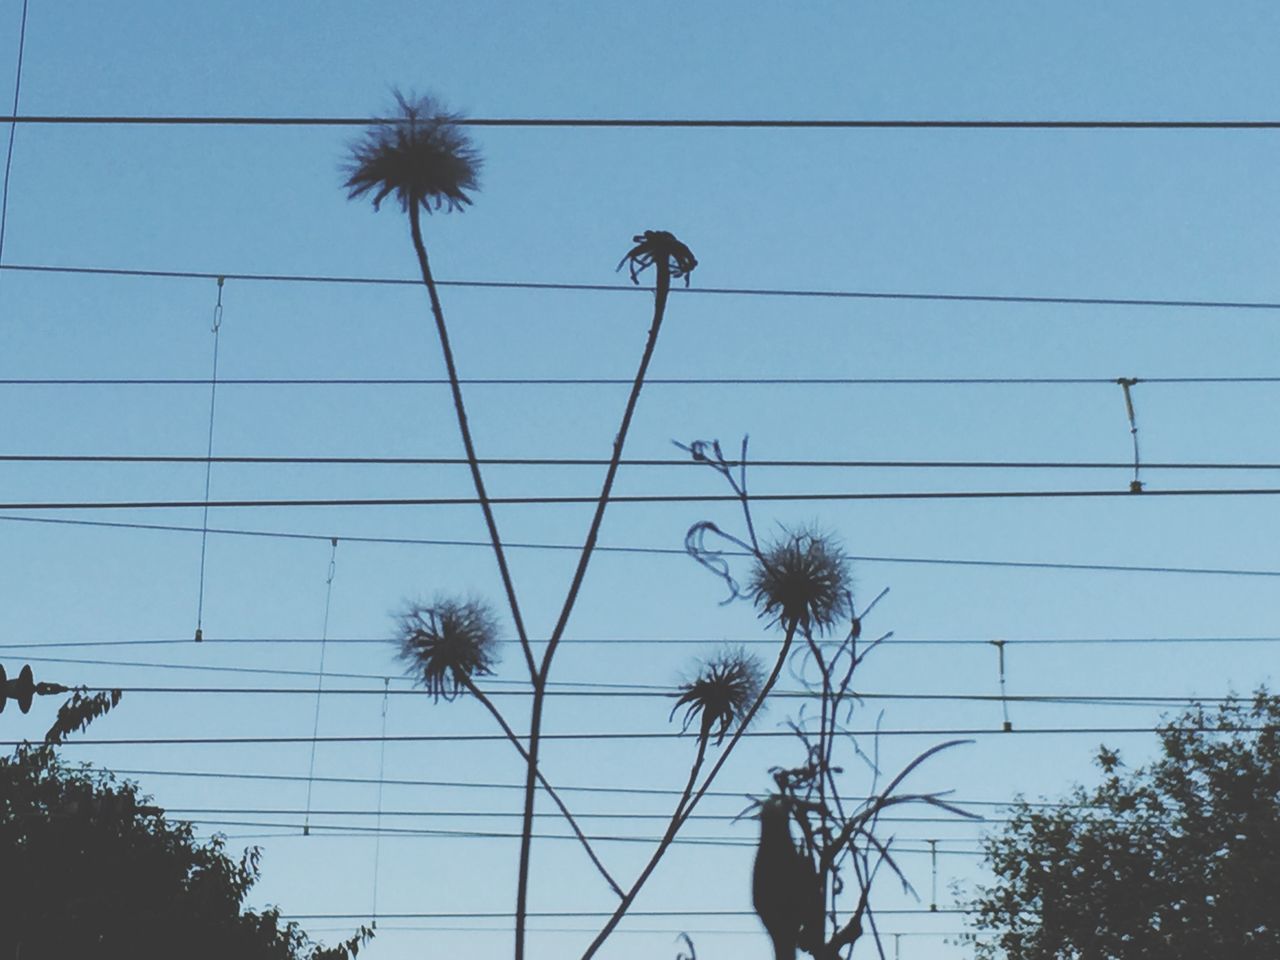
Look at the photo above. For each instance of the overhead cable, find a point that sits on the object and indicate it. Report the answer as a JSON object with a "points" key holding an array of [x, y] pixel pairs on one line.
{"points": [[653, 551], [695, 291]]}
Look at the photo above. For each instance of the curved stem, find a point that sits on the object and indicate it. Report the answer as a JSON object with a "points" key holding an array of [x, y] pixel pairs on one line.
{"points": [[661, 292], [685, 810], [489, 705], [420, 248]]}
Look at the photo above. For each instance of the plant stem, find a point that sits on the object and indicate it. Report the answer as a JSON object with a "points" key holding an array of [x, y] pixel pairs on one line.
{"points": [[479, 694], [661, 291], [685, 810], [415, 227]]}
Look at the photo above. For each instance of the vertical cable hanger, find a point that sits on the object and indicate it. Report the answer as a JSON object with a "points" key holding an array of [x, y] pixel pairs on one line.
{"points": [[1004, 693], [933, 886], [324, 640], [1127, 384], [382, 766], [208, 462], [13, 127]]}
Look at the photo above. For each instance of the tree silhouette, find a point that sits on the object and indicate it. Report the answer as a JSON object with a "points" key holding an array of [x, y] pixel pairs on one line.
{"points": [[1178, 859], [90, 868]]}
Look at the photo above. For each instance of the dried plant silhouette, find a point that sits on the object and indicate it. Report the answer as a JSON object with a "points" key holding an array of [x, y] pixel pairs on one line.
{"points": [[722, 692], [785, 889], [798, 583], [422, 157], [841, 848], [448, 643]]}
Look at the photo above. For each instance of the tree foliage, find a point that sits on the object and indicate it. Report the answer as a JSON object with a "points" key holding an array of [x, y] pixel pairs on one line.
{"points": [[88, 868], [1176, 859]]}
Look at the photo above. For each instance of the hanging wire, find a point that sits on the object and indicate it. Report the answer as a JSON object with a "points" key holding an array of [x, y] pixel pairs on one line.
{"points": [[382, 766], [208, 468], [1127, 384], [324, 640], [933, 888], [1004, 693], [13, 127]]}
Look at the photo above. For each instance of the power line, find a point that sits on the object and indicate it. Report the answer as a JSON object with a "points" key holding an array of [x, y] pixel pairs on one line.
{"points": [[489, 786], [696, 291], [622, 735], [635, 462], [654, 551], [639, 498], [631, 931], [187, 812], [645, 641], [614, 381], [704, 123], [1136, 700], [13, 127]]}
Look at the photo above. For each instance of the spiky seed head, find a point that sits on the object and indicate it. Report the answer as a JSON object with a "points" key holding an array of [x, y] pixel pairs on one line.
{"points": [[446, 643], [722, 691], [420, 154], [802, 579]]}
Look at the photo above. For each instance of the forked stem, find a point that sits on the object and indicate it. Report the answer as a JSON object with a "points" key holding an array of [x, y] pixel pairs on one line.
{"points": [[661, 292]]}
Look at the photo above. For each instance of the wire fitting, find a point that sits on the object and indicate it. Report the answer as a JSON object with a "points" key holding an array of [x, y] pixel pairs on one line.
{"points": [[1127, 384]]}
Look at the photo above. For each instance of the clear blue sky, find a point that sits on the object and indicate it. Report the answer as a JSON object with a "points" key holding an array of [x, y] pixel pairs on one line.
{"points": [[1128, 214]]}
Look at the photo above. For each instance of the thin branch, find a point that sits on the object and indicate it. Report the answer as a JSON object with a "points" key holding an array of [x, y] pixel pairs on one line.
{"points": [[464, 428], [684, 814], [479, 694]]}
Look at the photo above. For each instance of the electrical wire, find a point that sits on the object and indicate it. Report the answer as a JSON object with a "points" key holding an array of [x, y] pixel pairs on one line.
{"points": [[894, 641], [622, 735], [613, 790], [640, 498], [655, 551], [13, 127], [616, 382], [653, 462], [695, 291], [707, 123], [1137, 700]]}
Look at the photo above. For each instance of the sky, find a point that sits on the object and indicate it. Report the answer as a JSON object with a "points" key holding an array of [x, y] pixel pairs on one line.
{"points": [[1111, 214]]}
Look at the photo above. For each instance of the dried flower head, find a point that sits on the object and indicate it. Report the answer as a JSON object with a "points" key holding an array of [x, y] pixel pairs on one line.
{"points": [[662, 248], [446, 643], [422, 156], [725, 688], [802, 580]]}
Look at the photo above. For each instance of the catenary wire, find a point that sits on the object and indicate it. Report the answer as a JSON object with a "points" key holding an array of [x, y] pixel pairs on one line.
{"points": [[656, 551], [1019, 732], [619, 288], [708, 123], [642, 498], [650, 462], [13, 127], [645, 641], [1058, 699], [489, 786]]}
